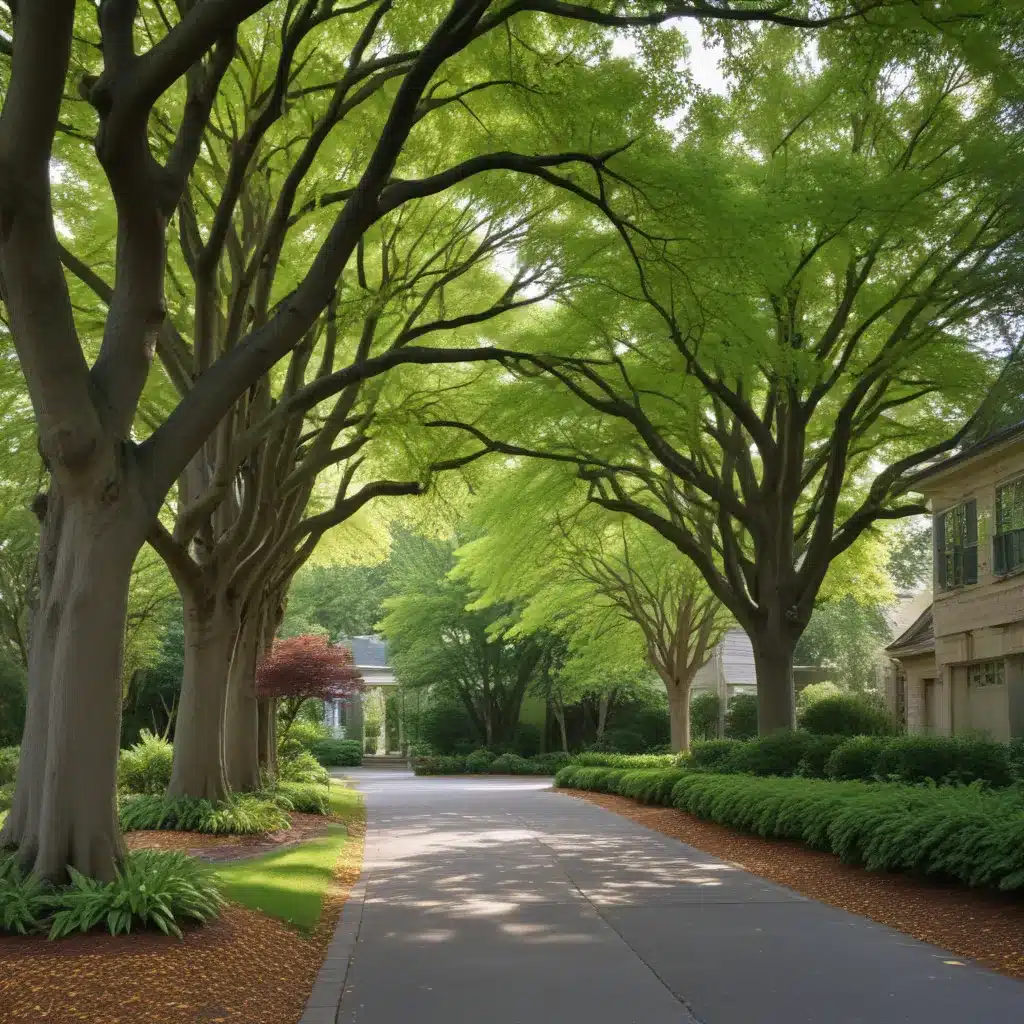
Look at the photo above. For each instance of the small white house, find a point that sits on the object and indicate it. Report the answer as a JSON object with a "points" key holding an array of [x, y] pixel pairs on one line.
{"points": [[730, 669]]}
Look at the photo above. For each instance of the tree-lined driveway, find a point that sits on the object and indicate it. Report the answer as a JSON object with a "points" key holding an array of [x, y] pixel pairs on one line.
{"points": [[495, 899]]}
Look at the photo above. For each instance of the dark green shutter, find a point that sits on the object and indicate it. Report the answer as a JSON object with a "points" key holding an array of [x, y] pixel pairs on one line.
{"points": [[939, 531]]}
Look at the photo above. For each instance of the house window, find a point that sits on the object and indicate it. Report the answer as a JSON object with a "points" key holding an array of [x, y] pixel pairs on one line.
{"points": [[986, 673], [956, 543], [1008, 542]]}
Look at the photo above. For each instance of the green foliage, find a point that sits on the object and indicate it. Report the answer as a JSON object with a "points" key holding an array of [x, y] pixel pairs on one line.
{"points": [[12, 700], [527, 739], [846, 635], [446, 728], [595, 759], [302, 735], [817, 751], [152, 888], [242, 815], [334, 753], [146, 767], [479, 760], [705, 710], [778, 753], [307, 797], [857, 758], [343, 600], [944, 759], [741, 717], [25, 901], [847, 714], [439, 764], [303, 767], [6, 796], [814, 692], [716, 755], [1015, 758], [959, 833], [624, 741], [9, 757]]}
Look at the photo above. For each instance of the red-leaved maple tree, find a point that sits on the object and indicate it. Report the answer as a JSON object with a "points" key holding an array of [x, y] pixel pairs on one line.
{"points": [[307, 667]]}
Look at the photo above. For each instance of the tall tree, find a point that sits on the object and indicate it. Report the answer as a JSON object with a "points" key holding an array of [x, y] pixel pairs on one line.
{"points": [[586, 572], [803, 335]]}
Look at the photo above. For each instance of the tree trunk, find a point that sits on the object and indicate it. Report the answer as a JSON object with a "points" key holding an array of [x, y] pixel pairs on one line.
{"points": [[560, 715], [241, 718], [64, 812], [210, 628], [267, 740], [679, 715], [603, 703], [776, 703]]}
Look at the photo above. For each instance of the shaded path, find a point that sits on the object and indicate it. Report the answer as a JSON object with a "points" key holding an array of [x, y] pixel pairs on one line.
{"points": [[492, 899]]}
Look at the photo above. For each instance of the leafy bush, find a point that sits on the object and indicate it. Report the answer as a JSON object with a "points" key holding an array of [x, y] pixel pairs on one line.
{"points": [[857, 758], [717, 756], [480, 760], [741, 717], [847, 714], [439, 764], [12, 700], [308, 798], [817, 751], [778, 753], [242, 815], [446, 728], [814, 692], [370, 745], [6, 797], [333, 753], [962, 833], [25, 901], [1015, 756], [301, 735], [595, 759], [303, 767], [152, 888], [950, 759], [146, 767], [9, 757], [548, 764], [509, 764], [705, 709]]}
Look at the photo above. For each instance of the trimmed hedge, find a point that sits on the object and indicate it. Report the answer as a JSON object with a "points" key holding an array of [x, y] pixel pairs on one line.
{"points": [[332, 753], [847, 714], [962, 833], [481, 762], [601, 760]]}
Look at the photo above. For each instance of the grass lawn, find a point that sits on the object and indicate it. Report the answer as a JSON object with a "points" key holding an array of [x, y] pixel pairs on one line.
{"points": [[291, 884]]}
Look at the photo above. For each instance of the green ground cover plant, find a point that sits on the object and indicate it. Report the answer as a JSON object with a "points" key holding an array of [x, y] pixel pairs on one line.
{"points": [[963, 833]]}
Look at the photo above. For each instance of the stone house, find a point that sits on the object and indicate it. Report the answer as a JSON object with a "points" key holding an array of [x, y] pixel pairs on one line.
{"points": [[960, 667]]}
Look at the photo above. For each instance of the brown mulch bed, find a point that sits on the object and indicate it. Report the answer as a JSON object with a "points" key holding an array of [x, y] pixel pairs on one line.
{"points": [[983, 925], [244, 967], [226, 847]]}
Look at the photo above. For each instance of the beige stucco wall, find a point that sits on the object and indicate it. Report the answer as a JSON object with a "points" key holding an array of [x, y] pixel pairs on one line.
{"points": [[980, 622]]}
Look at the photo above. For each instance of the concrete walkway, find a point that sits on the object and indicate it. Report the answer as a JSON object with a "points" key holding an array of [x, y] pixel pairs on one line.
{"points": [[493, 900]]}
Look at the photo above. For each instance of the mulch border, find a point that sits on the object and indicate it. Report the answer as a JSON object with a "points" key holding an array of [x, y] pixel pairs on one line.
{"points": [[978, 924]]}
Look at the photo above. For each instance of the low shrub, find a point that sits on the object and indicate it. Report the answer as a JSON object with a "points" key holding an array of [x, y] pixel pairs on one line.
{"points": [[308, 798], [370, 745], [152, 888], [6, 796], [527, 740], [595, 759], [304, 768], [146, 766], [741, 717], [9, 757], [817, 751], [625, 741], [948, 759], [242, 815], [301, 735], [333, 753], [847, 714], [857, 758], [480, 760], [716, 756], [439, 764], [548, 764], [705, 712], [1015, 758], [966, 833], [508, 764], [778, 753]]}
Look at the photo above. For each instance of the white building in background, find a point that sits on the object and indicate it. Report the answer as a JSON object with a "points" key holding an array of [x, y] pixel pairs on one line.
{"points": [[370, 654], [730, 669]]}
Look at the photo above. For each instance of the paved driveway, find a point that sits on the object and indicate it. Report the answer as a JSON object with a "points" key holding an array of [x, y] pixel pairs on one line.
{"points": [[495, 900]]}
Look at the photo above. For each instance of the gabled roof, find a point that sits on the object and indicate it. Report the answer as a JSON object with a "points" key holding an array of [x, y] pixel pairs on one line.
{"points": [[918, 639], [368, 651], [993, 440]]}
